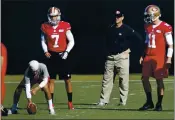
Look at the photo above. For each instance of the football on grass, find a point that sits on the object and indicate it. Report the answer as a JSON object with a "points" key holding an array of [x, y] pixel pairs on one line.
{"points": [[32, 109]]}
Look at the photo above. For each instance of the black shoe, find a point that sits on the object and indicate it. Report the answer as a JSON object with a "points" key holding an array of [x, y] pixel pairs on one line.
{"points": [[4, 112], [158, 107], [147, 105]]}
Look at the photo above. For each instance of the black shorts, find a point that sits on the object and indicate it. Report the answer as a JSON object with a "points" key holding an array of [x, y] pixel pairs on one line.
{"points": [[57, 65]]}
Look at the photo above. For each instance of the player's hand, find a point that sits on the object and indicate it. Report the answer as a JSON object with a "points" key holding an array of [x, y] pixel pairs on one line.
{"points": [[168, 62], [64, 55], [47, 54], [33, 92], [141, 60], [29, 103]]}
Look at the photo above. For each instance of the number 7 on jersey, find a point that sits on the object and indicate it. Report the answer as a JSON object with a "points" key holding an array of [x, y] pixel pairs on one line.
{"points": [[56, 38]]}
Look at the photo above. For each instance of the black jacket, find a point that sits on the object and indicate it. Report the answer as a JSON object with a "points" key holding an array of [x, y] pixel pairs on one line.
{"points": [[120, 39]]}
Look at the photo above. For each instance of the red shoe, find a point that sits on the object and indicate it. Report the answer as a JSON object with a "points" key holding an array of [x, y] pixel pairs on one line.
{"points": [[70, 106]]}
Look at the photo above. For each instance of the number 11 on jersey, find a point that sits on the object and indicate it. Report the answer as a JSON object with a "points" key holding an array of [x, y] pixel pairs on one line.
{"points": [[152, 42], [56, 38]]}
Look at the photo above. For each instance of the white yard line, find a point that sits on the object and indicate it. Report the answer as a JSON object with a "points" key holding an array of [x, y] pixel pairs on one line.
{"points": [[58, 81]]}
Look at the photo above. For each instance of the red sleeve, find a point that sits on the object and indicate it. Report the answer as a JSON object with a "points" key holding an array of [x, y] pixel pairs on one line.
{"points": [[68, 26], [43, 28], [167, 28]]}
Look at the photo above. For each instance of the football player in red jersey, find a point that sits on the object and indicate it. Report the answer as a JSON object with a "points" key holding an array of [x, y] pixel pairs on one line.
{"points": [[155, 61], [57, 41], [4, 111]]}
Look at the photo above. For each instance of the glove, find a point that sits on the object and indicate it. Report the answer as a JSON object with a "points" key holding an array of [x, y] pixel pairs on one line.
{"points": [[47, 54], [64, 55]]}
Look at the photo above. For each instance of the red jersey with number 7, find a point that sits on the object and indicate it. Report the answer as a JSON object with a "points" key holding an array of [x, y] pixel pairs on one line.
{"points": [[56, 36], [156, 38]]}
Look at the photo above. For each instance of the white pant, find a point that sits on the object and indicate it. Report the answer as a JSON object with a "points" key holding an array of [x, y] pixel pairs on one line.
{"points": [[121, 63]]}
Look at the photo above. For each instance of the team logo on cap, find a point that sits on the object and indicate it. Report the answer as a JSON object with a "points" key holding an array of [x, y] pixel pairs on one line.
{"points": [[117, 12]]}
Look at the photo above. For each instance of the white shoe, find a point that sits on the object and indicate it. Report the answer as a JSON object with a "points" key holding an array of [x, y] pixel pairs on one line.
{"points": [[121, 104], [12, 111], [52, 111], [9, 112], [101, 104]]}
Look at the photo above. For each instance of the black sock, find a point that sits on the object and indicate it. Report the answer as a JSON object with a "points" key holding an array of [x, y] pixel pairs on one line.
{"points": [[52, 96], [149, 97], [160, 97], [69, 95]]}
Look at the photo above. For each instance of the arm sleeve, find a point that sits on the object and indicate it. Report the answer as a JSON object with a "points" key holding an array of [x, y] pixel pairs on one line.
{"points": [[167, 28], [44, 82], [28, 93], [43, 43], [169, 39], [168, 34], [45, 77], [68, 26], [45, 72], [71, 41], [27, 84], [26, 76]]}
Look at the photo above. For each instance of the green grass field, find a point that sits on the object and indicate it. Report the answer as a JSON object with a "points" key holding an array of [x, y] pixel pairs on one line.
{"points": [[86, 91]]}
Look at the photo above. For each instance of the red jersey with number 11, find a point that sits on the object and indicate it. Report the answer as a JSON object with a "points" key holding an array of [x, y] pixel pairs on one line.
{"points": [[156, 38], [56, 36]]}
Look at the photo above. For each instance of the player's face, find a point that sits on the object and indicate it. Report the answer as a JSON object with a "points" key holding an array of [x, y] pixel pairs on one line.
{"points": [[33, 71], [54, 18], [119, 19]]}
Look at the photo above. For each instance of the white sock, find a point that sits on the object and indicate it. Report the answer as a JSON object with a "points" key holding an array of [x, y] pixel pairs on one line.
{"points": [[50, 104]]}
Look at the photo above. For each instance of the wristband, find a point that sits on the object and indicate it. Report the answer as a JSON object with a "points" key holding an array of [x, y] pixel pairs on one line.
{"points": [[170, 52]]}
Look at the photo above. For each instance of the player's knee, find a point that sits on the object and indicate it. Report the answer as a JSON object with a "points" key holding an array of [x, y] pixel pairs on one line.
{"points": [[47, 93], [160, 84], [67, 81], [45, 89], [51, 81]]}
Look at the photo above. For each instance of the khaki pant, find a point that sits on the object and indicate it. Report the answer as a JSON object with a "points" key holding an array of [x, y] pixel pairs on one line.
{"points": [[120, 62]]}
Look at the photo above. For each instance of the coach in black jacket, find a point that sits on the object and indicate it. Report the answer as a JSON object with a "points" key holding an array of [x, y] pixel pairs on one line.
{"points": [[118, 44]]}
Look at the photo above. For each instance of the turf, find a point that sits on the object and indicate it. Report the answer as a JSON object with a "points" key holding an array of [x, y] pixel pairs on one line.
{"points": [[86, 93]]}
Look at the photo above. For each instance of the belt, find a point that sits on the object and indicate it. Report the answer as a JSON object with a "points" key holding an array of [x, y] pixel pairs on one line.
{"points": [[115, 53]]}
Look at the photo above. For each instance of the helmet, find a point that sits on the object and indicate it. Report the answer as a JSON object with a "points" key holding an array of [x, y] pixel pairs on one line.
{"points": [[34, 65], [54, 12], [152, 13]]}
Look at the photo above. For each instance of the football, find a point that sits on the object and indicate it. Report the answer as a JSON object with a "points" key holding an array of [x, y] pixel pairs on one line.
{"points": [[32, 109]]}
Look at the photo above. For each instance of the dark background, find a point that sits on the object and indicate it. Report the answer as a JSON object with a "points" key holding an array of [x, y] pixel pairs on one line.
{"points": [[21, 21]]}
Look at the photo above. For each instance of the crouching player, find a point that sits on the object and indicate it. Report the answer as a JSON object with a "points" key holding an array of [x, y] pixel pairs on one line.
{"points": [[35, 73]]}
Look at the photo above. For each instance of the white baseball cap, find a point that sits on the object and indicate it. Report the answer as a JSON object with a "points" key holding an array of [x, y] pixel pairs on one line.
{"points": [[34, 65]]}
